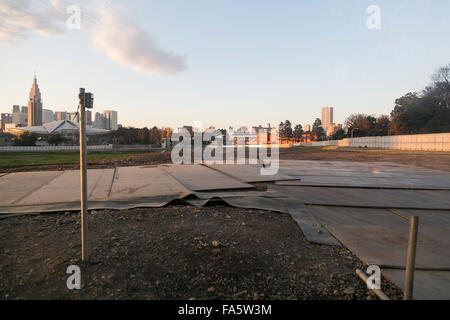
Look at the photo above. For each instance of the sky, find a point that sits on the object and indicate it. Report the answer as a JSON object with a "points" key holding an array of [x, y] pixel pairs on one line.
{"points": [[222, 62]]}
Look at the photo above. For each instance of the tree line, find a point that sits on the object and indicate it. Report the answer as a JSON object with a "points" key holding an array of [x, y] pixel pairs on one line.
{"points": [[124, 135], [425, 112], [131, 135], [285, 130], [413, 113]]}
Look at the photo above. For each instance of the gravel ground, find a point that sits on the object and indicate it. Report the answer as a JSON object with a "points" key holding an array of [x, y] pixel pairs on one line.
{"points": [[175, 252]]}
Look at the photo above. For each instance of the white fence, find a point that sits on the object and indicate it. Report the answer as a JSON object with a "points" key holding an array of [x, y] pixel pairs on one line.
{"points": [[54, 148], [417, 142]]}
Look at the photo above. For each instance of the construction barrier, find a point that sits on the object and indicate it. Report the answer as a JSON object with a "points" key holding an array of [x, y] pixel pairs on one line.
{"points": [[54, 148], [416, 142]]}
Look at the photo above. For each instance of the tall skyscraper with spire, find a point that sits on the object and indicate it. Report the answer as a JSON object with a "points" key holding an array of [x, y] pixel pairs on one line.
{"points": [[35, 105]]}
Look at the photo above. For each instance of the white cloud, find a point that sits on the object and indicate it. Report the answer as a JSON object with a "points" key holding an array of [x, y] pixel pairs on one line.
{"points": [[126, 43], [121, 39], [22, 18]]}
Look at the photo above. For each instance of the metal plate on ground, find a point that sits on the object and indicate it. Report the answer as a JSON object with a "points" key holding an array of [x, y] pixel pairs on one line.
{"points": [[66, 187], [364, 174], [201, 178], [248, 173], [311, 227], [380, 237], [428, 285], [379, 198], [15, 187], [139, 182]]}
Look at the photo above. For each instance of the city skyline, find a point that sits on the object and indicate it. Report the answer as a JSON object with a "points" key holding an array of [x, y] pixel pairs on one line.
{"points": [[321, 53], [35, 115]]}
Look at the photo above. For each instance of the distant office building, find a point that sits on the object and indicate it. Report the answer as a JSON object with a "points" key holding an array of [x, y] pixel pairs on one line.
{"points": [[99, 121], [327, 117], [6, 118], [35, 105], [61, 115], [111, 120], [20, 119], [333, 128], [265, 135], [89, 117], [47, 116], [307, 128]]}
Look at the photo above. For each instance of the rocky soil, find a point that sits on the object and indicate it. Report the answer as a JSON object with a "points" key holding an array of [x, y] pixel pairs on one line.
{"points": [[175, 252]]}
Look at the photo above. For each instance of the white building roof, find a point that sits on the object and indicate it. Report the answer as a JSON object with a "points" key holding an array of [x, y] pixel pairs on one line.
{"points": [[61, 125]]}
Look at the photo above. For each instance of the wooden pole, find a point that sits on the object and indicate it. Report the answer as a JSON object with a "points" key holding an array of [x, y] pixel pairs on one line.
{"points": [[378, 292], [411, 259], [83, 179]]}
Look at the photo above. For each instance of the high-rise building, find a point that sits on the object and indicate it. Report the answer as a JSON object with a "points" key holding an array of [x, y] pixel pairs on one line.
{"points": [[89, 117], [333, 128], [61, 115], [99, 121], [6, 118], [24, 110], [47, 116], [35, 105], [327, 117], [20, 119], [111, 119], [16, 108]]}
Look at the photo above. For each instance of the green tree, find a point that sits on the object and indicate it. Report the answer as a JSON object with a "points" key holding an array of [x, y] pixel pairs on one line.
{"points": [[298, 131], [26, 139], [281, 131], [382, 126], [55, 139], [427, 112], [398, 115], [287, 129], [143, 136], [339, 135], [317, 131], [155, 136]]}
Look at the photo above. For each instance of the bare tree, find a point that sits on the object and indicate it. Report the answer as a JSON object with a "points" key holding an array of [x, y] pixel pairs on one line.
{"points": [[441, 81]]}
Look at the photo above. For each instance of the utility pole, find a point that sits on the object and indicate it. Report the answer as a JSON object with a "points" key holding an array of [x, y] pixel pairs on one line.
{"points": [[86, 101]]}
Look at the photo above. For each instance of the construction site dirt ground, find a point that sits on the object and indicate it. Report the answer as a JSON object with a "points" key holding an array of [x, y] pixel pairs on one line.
{"points": [[175, 252], [185, 252], [433, 160]]}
